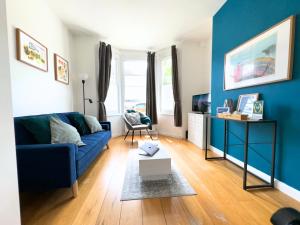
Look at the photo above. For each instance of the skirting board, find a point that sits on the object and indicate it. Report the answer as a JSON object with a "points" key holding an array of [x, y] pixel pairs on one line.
{"points": [[170, 135], [286, 189]]}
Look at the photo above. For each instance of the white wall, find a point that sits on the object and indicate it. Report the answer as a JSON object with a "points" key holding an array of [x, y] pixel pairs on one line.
{"points": [[35, 91], [194, 62], [194, 68], [9, 204], [84, 57]]}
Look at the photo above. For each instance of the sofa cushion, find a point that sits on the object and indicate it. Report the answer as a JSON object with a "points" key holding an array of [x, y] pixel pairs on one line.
{"points": [[63, 133], [93, 124], [92, 140], [78, 121], [94, 145], [39, 127]]}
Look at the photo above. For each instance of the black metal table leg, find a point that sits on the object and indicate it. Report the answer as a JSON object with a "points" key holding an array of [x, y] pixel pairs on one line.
{"points": [[273, 153], [206, 147], [225, 138], [246, 155], [206, 133], [266, 184]]}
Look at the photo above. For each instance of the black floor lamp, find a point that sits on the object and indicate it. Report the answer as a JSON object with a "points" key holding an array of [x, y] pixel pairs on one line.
{"points": [[84, 77]]}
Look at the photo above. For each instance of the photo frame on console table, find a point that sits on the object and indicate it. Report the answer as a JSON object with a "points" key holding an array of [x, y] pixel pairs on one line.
{"points": [[245, 104], [61, 69], [266, 58], [30, 51]]}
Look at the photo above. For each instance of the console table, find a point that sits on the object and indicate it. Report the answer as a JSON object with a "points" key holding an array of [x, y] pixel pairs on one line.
{"points": [[246, 143]]}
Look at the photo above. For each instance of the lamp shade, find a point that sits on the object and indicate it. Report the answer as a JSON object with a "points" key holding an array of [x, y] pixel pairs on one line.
{"points": [[84, 76]]}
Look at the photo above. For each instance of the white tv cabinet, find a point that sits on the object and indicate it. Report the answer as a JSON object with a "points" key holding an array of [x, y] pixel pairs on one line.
{"points": [[196, 129]]}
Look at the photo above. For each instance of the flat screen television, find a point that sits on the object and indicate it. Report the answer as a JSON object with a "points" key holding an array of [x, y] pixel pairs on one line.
{"points": [[201, 103]]}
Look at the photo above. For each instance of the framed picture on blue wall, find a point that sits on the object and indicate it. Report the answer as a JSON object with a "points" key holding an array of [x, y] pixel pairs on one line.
{"points": [[266, 58]]}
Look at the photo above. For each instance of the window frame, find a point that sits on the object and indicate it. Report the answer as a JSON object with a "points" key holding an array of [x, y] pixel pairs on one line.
{"points": [[131, 56], [166, 54], [116, 57]]}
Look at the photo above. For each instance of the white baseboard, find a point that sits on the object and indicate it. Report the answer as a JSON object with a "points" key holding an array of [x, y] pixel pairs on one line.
{"points": [[286, 189], [170, 135]]}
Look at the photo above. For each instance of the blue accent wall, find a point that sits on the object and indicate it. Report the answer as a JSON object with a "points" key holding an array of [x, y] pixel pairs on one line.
{"points": [[236, 22]]}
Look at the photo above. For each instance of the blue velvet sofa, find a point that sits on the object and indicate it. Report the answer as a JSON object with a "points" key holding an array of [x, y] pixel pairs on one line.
{"points": [[47, 166]]}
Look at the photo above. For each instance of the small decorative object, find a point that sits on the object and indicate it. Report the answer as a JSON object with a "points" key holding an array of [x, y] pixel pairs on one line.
{"points": [[229, 103], [30, 51], [263, 59], [61, 69], [234, 116], [84, 77], [223, 110], [245, 104], [258, 110]]}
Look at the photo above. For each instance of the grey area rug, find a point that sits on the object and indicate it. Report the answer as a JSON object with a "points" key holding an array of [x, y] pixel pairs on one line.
{"points": [[135, 188]]}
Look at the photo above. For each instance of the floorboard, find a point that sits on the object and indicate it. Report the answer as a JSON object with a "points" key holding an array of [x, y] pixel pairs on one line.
{"points": [[220, 198]]}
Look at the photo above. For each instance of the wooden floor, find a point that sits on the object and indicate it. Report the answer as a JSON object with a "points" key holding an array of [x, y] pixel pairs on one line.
{"points": [[220, 199]]}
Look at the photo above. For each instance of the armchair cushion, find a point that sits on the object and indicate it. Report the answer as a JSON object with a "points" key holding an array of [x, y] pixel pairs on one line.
{"points": [[140, 127], [133, 118], [145, 119]]}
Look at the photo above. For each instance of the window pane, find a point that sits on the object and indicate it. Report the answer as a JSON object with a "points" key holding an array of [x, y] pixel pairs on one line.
{"points": [[167, 100], [112, 99], [167, 71], [135, 84], [135, 67], [139, 81]]}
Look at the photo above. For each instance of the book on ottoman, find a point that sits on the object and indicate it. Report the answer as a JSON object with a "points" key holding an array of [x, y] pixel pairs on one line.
{"points": [[149, 148]]}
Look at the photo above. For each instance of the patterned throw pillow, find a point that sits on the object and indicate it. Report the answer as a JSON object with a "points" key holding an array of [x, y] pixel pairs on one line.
{"points": [[133, 118], [63, 133], [93, 124]]}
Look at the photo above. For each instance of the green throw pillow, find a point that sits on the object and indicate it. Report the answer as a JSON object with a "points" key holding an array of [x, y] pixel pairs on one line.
{"points": [[39, 127], [63, 133], [78, 121]]}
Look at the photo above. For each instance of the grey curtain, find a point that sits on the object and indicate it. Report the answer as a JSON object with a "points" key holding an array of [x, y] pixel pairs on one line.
{"points": [[176, 91], [150, 89], [104, 77]]}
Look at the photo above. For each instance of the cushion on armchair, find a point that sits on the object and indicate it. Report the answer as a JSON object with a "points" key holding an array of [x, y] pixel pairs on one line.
{"points": [[145, 119], [133, 118], [78, 121]]}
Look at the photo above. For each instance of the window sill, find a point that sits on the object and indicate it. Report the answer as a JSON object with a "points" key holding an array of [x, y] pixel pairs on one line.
{"points": [[114, 114], [166, 114]]}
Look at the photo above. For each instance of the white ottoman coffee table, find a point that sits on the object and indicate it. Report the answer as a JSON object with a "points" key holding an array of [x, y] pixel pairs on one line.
{"points": [[156, 167]]}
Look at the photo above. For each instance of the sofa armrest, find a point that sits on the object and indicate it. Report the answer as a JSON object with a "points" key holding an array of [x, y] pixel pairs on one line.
{"points": [[106, 125], [46, 166]]}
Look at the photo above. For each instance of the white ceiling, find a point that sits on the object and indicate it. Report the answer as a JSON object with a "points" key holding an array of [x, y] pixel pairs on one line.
{"points": [[139, 24]]}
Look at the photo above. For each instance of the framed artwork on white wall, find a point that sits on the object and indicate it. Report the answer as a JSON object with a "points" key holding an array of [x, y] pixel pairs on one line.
{"points": [[266, 58], [61, 69], [30, 51]]}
